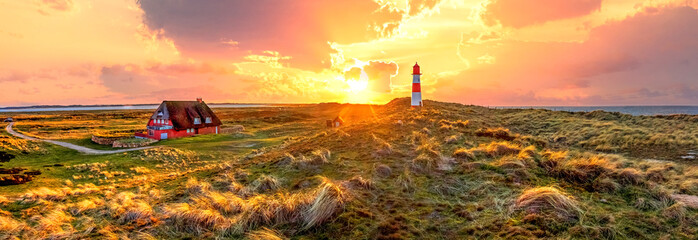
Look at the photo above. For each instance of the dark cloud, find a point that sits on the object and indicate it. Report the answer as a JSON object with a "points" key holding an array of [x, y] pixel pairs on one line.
{"points": [[299, 29], [521, 13]]}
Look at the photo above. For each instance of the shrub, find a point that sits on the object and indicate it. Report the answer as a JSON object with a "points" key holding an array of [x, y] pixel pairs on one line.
{"points": [[549, 199]]}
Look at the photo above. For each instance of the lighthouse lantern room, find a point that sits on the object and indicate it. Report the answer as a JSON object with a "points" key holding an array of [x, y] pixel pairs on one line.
{"points": [[416, 86]]}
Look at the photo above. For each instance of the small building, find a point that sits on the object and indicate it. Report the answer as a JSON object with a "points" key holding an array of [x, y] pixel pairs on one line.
{"points": [[176, 119], [337, 122], [9, 119]]}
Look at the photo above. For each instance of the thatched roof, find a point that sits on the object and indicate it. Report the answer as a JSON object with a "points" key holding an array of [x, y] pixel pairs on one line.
{"points": [[183, 113]]}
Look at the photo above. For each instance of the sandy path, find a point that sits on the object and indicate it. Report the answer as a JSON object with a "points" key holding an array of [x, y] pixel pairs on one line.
{"points": [[70, 145]]}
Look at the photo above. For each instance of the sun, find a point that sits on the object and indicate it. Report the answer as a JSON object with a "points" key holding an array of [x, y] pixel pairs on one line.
{"points": [[358, 85]]}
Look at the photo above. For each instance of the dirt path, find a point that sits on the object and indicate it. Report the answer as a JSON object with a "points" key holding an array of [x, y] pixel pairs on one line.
{"points": [[70, 145]]}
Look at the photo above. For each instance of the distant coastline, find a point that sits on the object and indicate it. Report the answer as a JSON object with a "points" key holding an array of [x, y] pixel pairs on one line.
{"points": [[55, 108], [632, 110]]}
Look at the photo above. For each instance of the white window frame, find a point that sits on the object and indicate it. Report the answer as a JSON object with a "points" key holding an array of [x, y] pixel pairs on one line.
{"points": [[197, 120], [208, 119]]}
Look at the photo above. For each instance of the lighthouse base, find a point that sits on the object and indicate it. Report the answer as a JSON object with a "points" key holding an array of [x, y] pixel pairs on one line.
{"points": [[416, 99]]}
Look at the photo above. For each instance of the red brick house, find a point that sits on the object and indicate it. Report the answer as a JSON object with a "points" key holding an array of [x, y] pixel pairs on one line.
{"points": [[176, 119]]}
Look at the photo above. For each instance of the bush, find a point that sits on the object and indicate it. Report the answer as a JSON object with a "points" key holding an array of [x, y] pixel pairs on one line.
{"points": [[5, 156]]}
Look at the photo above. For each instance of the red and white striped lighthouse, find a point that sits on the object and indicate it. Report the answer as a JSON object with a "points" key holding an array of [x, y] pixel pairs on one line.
{"points": [[416, 87]]}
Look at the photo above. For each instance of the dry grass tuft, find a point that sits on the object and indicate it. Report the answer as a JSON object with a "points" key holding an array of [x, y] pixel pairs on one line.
{"points": [[57, 194], [463, 154], [9, 227], [265, 183], [128, 209], [326, 202], [677, 211], [195, 186], [497, 133], [265, 234], [191, 219], [498, 149], [549, 200], [384, 170], [384, 148], [630, 176], [86, 205], [54, 225], [583, 170], [358, 182]]}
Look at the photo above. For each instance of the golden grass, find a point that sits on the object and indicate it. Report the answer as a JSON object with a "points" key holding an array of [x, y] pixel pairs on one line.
{"points": [[265, 234], [549, 199], [498, 149]]}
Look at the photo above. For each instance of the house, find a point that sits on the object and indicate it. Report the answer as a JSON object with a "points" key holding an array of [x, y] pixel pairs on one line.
{"points": [[176, 119], [9, 119], [337, 122]]}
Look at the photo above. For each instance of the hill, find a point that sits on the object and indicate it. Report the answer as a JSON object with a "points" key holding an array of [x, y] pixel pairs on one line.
{"points": [[446, 171]]}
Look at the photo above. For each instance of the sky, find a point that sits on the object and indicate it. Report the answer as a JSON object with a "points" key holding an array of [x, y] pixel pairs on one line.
{"points": [[483, 52]]}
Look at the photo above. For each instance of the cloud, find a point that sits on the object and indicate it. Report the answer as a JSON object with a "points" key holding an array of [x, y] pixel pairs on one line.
{"points": [[522, 13], [45, 7], [301, 30], [653, 49], [379, 74]]}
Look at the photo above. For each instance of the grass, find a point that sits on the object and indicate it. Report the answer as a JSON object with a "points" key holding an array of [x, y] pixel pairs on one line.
{"points": [[447, 171]]}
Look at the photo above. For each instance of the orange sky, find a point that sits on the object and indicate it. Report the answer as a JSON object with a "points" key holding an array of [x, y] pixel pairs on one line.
{"points": [[485, 52]]}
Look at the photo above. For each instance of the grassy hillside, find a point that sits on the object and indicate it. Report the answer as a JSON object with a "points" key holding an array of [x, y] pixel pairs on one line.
{"points": [[446, 171]]}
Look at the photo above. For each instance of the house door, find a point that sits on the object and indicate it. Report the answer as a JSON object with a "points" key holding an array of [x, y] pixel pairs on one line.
{"points": [[163, 136]]}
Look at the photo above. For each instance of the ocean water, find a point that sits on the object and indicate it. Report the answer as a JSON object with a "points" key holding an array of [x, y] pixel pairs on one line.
{"points": [[632, 110], [116, 107]]}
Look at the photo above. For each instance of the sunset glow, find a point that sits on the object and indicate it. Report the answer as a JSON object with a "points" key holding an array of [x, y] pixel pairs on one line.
{"points": [[486, 52]]}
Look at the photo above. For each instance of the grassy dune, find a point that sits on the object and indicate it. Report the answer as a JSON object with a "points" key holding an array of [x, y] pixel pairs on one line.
{"points": [[447, 171]]}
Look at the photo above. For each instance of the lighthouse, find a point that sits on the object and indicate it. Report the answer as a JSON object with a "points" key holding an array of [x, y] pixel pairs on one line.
{"points": [[416, 87]]}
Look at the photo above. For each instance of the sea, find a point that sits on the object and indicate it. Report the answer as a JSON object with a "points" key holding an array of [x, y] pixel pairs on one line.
{"points": [[632, 110], [113, 107]]}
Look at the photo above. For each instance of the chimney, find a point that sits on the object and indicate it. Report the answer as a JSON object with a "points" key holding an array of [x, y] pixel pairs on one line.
{"points": [[199, 100]]}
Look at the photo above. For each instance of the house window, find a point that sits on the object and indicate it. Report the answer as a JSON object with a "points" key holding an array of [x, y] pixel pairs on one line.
{"points": [[159, 113], [197, 120], [208, 120]]}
